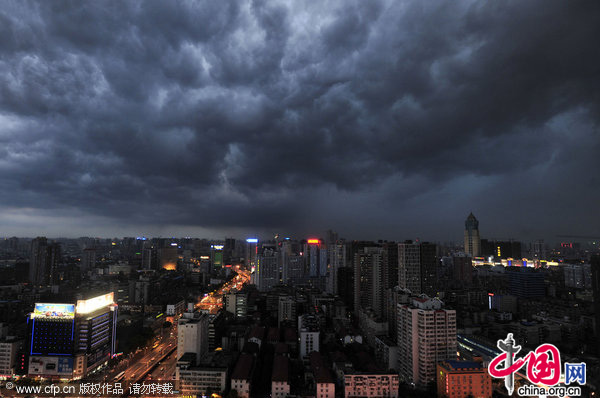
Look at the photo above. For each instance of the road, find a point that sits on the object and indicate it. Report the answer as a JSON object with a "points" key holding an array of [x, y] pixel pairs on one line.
{"points": [[138, 365], [213, 302]]}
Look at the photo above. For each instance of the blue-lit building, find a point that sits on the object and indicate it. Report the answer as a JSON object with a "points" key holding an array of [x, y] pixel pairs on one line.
{"points": [[69, 341], [526, 283]]}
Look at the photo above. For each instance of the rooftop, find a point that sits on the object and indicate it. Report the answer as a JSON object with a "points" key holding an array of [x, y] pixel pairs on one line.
{"points": [[243, 367], [280, 369]]}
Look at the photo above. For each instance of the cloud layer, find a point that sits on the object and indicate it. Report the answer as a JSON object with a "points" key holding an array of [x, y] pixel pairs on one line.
{"points": [[382, 119]]}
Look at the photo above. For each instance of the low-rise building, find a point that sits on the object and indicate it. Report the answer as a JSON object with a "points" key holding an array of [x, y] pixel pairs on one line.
{"points": [[241, 378], [371, 385], [461, 379], [280, 378]]}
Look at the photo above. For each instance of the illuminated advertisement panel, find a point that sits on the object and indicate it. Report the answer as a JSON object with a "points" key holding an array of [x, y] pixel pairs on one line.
{"points": [[51, 366], [93, 304], [54, 311]]}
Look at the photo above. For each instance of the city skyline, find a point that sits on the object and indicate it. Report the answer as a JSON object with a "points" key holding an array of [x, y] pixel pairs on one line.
{"points": [[380, 120]]}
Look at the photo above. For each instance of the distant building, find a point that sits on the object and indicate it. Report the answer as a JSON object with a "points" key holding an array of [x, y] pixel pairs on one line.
{"points": [[417, 267], [237, 304], [43, 262], [267, 270], [462, 379], [501, 249], [526, 283], [368, 280], [578, 276], [176, 309], [88, 260], [472, 239], [462, 269], [286, 311], [309, 331], [426, 335]]}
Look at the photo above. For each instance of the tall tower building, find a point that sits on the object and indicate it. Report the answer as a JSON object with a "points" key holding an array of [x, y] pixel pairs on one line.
{"points": [[368, 280], [417, 267], [426, 336], [43, 261], [192, 335], [267, 269], [472, 239], [337, 259]]}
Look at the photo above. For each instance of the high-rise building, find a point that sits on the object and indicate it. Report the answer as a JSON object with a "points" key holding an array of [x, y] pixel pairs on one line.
{"points": [[472, 239], [43, 263], [88, 260], [337, 260], [317, 257], [368, 280], [68, 341], [417, 267], [526, 283], [192, 335], [251, 252], [167, 257], [216, 258], [462, 269], [267, 269], [426, 336]]}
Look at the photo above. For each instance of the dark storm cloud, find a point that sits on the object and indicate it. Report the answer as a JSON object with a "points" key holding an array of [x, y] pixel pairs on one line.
{"points": [[380, 117]]}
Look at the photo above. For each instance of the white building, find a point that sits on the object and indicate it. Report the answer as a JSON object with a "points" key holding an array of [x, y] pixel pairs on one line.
{"points": [[8, 357], [192, 335], [308, 330], [286, 310], [426, 336]]}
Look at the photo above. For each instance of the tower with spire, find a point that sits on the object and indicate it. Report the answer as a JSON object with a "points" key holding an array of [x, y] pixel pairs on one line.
{"points": [[472, 239]]}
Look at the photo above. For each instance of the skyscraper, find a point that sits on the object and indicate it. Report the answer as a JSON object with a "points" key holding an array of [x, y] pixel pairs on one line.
{"points": [[472, 239], [426, 336], [267, 269], [368, 280], [43, 262], [417, 267]]}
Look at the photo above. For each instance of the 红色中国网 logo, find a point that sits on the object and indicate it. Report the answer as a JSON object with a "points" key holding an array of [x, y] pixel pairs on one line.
{"points": [[541, 367]]}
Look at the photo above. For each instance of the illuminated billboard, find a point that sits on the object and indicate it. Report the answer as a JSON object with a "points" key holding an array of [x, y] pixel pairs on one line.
{"points": [[313, 241], [252, 240], [93, 304], [217, 247], [51, 366], [54, 311]]}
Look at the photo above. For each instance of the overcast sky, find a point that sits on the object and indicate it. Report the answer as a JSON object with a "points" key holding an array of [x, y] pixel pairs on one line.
{"points": [[378, 119]]}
